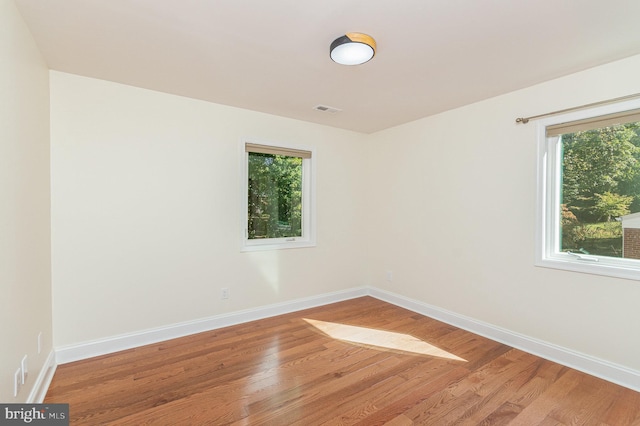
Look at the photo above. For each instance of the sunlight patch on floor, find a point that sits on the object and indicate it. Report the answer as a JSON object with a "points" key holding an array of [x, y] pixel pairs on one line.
{"points": [[380, 338]]}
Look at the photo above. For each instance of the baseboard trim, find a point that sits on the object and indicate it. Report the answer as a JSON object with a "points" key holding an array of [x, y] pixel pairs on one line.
{"points": [[611, 372], [66, 354], [40, 387]]}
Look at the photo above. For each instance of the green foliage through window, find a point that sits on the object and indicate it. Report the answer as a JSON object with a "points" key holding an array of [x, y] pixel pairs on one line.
{"points": [[600, 183], [274, 196]]}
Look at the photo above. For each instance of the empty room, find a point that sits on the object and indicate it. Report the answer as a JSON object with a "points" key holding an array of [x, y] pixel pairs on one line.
{"points": [[341, 212]]}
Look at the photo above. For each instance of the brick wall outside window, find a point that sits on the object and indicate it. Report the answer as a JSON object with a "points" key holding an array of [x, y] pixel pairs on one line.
{"points": [[631, 245]]}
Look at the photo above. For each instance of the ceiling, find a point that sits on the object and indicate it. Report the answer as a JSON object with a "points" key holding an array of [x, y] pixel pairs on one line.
{"points": [[273, 56]]}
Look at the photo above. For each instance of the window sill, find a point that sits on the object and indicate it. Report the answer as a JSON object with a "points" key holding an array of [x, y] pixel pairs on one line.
{"points": [[277, 246], [594, 268]]}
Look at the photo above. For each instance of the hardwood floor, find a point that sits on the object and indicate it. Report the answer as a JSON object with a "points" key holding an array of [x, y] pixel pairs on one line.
{"points": [[287, 370]]}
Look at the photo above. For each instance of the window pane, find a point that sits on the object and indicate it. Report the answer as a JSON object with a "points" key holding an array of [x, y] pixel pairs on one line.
{"points": [[274, 196], [600, 189]]}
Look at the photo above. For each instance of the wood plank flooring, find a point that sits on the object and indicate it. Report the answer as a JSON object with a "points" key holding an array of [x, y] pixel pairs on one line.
{"points": [[287, 370]]}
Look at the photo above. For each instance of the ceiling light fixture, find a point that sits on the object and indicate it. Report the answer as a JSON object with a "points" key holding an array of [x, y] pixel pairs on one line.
{"points": [[353, 49]]}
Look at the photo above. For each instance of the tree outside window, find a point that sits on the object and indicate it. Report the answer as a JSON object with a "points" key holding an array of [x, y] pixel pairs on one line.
{"points": [[600, 183], [274, 196]]}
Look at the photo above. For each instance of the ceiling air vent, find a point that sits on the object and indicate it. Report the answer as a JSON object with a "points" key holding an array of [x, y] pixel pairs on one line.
{"points": [[324, 108]]}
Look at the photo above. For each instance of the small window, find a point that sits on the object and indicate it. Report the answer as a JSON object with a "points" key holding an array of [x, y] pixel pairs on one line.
{"points": [[589, 191], [278, 188]]}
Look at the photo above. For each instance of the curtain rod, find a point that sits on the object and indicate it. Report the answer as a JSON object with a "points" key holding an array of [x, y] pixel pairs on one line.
{"points": [[525, 120]]}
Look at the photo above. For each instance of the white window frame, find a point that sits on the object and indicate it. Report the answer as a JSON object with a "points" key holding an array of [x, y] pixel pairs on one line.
{"points": [[308, 238], [548, 252]]}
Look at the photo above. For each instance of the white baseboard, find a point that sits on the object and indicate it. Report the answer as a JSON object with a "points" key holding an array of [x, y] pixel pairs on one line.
{"points": [[611, 372], [40, 387], [112, 344], [596, 367]]}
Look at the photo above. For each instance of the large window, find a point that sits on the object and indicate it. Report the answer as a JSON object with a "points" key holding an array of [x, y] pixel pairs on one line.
{"points": [[589, 191], [278, 188]]}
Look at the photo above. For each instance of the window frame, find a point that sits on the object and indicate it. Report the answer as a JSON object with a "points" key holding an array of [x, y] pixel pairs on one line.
{"points": [[549, 170], [308, 238]]}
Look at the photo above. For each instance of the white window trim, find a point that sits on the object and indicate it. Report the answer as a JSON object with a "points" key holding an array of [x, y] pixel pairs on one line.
{"points": [[548, 208], [308, 238]]}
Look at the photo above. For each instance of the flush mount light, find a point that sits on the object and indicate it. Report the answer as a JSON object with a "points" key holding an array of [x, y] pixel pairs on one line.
{"points": [[353, 49]]}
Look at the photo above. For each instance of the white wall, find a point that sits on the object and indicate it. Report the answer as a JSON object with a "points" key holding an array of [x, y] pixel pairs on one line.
{"points": [[25, 286], [453, 200], [146, 215]]}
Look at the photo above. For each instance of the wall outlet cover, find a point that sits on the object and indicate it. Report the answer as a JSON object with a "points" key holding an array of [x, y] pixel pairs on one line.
{"points": [[17, 379], [24, 369]]}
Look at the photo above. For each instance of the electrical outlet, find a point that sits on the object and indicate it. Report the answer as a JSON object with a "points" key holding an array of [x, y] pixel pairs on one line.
{"points": [[25, 370], [17, 378], [39, 343], [389, 275], [225, 293]]}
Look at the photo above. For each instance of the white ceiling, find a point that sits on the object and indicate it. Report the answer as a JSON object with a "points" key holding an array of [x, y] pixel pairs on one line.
{"points": [[273, 56]]}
